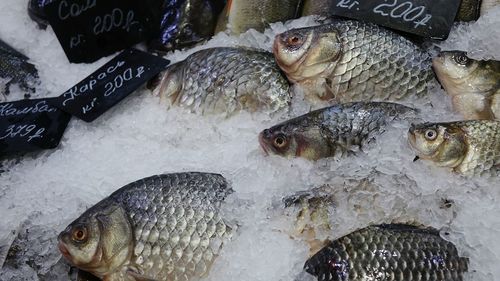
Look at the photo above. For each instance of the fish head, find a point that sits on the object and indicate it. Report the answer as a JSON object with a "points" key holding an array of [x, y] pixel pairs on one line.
{"points": [[441, 143], [99, 241], [297, 137], [309, 52], [457, 72]]}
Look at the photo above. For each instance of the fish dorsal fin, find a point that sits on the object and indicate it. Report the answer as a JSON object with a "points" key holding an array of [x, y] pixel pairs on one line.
{"points": [[140, 277]]}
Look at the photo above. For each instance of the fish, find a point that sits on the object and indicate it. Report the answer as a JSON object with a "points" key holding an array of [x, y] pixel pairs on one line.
{"points": [[225, 79], [186, 23], [164, 227], [388, 252], [341, 129], [470, 148], [15, 69], [313, 215], [239, 16], [348, 60], [474, 85]]}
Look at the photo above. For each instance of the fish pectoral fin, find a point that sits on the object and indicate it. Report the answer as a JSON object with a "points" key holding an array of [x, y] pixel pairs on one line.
{"points": [[139, 277]]}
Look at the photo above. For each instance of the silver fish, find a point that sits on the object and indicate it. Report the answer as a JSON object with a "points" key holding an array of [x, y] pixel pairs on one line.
{"points": [[343, 128], [388, 252], [347, 60], [165, 227], [226, 80]]}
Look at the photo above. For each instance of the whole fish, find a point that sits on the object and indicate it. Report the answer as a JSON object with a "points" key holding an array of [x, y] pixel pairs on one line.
{"points": [[15, 69], [225, 80], [474, 86], [241, 15], [165, 227], [185, 23], [468, 147], [348, 60], [388, 252], [343, 128]]}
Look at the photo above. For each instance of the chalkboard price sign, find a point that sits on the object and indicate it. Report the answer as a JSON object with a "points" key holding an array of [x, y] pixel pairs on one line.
{"points": [[91, 29], [427, 18], [111, 83], [29, 125]]}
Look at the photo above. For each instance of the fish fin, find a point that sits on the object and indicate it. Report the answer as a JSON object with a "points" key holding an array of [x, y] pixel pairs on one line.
{"points": [[329, 94], [139, 277]]}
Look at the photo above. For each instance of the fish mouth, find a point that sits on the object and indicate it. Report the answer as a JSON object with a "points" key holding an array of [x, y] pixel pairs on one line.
{"points": [[263, 143], [64, 251]]}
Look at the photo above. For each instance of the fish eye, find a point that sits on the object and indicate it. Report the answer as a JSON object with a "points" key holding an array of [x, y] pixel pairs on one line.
{"points": [[294, 40], [430, 134], [79, 234], [280, 141], [461, 59]]}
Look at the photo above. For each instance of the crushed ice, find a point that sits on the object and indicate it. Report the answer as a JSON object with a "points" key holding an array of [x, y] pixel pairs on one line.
{"points": [[42, 193]]}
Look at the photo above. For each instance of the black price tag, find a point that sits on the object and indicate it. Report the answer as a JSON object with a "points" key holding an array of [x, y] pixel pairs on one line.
{"points": [[111, 83], [29, 125], [427, 18], [91, 29]]}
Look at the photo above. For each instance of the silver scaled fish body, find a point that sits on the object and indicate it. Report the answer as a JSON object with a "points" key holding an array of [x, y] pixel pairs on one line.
{"points": [[241, 15], [347, 60], [473, 85], [388, 252], [339, 129], [470, 148], [226, 80], [165, 227]]}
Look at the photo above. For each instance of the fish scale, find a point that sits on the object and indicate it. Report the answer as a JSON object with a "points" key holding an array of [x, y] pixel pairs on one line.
{"points": [[470, 148], [331, 131], [388, 252], [371, 63], [176, 227], [226, 80]]}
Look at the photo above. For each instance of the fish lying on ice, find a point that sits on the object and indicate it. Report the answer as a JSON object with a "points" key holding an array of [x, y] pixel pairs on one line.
{"points": [[468, 147], [474, 86], [313, 215], [186, 23], [226, 80], [15, 69], [343, 128], [241, 15], [348, 60], [165, 227], [388, 252]]}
